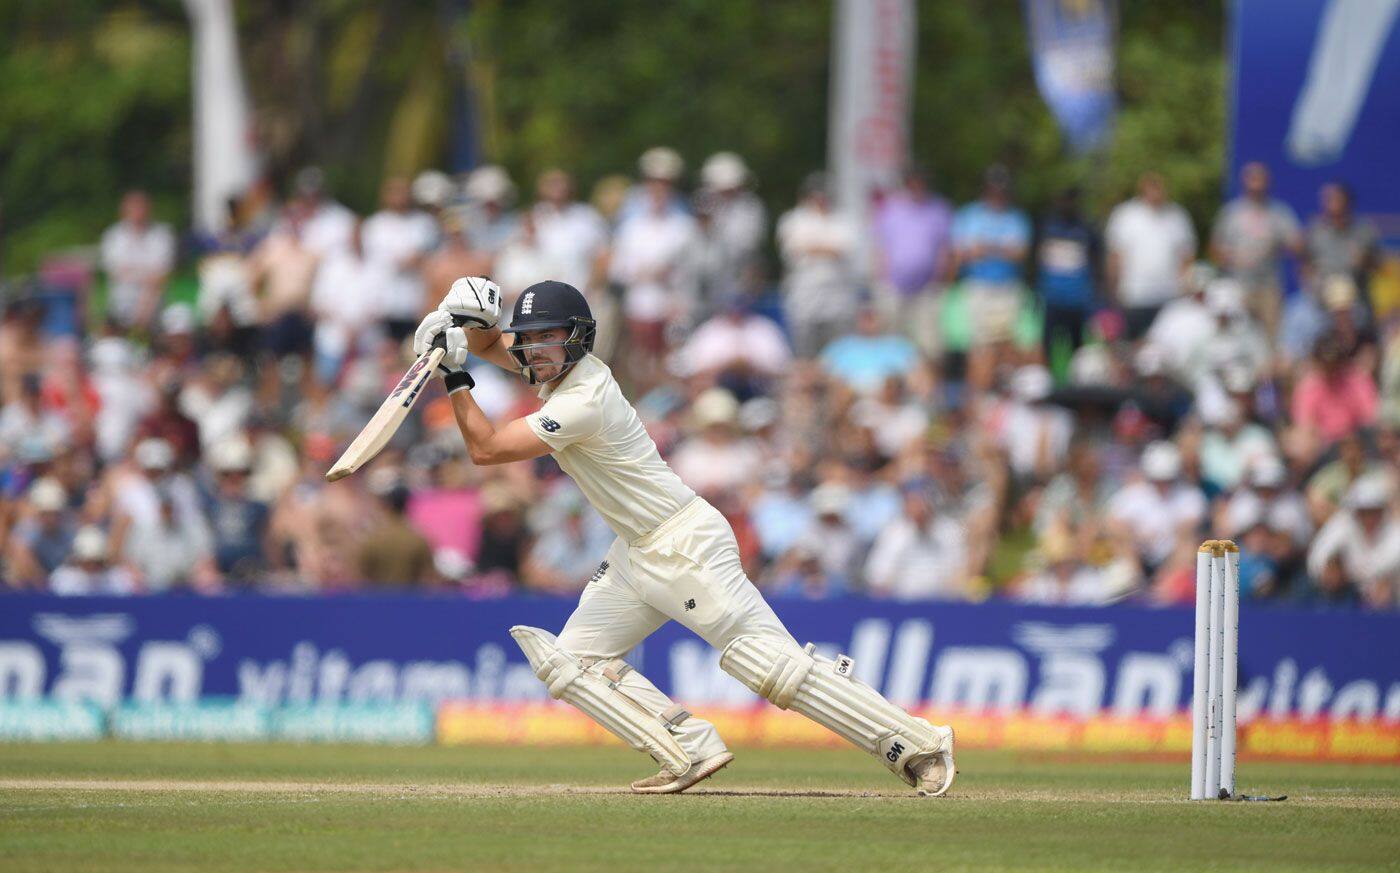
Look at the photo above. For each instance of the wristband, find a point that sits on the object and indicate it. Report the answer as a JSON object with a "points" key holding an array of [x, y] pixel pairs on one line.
{"points": [[457, 380]]}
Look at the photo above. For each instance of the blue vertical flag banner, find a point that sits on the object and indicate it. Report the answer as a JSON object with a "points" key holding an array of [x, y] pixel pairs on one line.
{"points": [[1073, 50], [1316, 96]]}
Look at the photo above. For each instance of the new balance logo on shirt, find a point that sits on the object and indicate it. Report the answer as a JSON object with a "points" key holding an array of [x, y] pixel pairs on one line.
{"points": [[549, 424]]}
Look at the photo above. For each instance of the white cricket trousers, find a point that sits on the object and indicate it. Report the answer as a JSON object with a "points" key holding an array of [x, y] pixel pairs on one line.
{"points": [[687, 569]]}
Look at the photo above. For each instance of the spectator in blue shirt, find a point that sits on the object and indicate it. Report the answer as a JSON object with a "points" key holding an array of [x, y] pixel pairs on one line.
{"points": [[990, 241], [1066, 250], [866, 358], [990, 236]]}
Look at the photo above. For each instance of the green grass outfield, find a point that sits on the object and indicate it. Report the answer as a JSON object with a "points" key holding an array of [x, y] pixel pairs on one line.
{"points": [[167, 807]]}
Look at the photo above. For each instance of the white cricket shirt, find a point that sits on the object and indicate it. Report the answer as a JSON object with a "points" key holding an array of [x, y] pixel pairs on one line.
{"points": [[598, 439]]}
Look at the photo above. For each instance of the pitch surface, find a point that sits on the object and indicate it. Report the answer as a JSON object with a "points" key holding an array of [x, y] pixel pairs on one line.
{"points": [[126, 806]]}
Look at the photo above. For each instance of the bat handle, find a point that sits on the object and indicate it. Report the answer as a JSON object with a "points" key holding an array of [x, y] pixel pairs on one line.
{"points": [[440, 341]]}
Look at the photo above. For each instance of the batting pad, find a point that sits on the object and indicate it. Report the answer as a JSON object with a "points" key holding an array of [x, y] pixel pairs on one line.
{"points": [[599, 697], [825, 692]]}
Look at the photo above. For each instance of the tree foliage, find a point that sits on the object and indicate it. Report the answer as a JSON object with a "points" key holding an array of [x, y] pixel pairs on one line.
{"points": [[95, 97]]}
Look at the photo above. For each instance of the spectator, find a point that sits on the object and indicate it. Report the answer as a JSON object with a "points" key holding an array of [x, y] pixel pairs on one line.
{"points": [[88, 569], [394, 553], [571, 234], [736, 348], [282, 269], [921, 555], [831, 539], [1338, 243], [1359, 548], [504, 541], [487, 217], [717, 460], [912, 230], [1330, 484], [1066, 251], [345, 306], [168, 423], [1183, 326], [818, 247], [613, 197], [1074, 501], [1150, 243], [27, 427], [865, 359], [137, 255], [1267, 497], [238, 522], [1035, 434], [41, 542], [798, 573], [570, 540], [523, 261], [1232, 444], [1064, 580], [454, 258], [124, 394], [326, 227], [1336, 397], [736, 222], [990, 241], [159, 527], [396, 242], [1235, 341], [653, 261], [1252, 233], [1158, 516]]}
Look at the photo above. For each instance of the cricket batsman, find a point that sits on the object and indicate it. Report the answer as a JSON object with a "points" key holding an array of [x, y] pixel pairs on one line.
{"points": [[675, 556]]}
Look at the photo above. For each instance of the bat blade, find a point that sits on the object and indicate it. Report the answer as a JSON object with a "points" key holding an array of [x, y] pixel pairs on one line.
{"points": [[392, 412]]}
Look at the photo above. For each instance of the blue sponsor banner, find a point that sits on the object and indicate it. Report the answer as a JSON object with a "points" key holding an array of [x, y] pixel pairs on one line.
{"points": [[1316, 97], [1072, 47], [276, 651]]}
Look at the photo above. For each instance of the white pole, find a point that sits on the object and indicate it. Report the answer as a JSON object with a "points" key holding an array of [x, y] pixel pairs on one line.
{"points": [[1230, 668], [1216, 657], [1200, 674]]}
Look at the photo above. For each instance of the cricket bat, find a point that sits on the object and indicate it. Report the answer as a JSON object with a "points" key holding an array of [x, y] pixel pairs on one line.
{"points": [[395, 408]]}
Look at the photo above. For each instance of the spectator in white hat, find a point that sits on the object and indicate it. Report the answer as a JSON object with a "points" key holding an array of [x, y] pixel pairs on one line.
{"points": [[654, 259], [1034, 433], [735, 221], [153, 501], [238, 522], [718, 459], [89, 570], [830, 538], [487, 216], [42, 538], [1231, 444], [1266, 493], [1359, 547], [1184, 326], [1158, 515], [818, 247]]}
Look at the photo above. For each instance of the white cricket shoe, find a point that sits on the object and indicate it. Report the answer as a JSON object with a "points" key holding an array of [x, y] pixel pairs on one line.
{"points": [[667, 782], [934, 775]]}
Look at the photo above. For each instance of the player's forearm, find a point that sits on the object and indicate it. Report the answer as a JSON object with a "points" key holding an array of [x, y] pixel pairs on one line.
{"points": [[485, 443], [477, 430]]}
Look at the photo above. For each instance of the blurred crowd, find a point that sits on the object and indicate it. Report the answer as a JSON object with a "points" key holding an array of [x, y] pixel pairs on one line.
{"points": [[951, 402]]}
